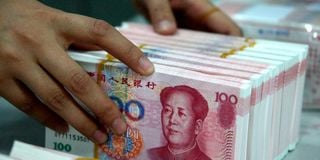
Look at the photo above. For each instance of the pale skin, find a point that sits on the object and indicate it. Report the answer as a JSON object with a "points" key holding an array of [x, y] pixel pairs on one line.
{"points": [[36, 72]]}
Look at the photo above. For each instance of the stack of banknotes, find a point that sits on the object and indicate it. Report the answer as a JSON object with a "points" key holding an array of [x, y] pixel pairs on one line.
{"points": [[290, 21], [211, 97], [24, 151]]}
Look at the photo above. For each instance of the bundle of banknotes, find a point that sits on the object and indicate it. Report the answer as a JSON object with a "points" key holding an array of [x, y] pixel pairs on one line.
{"points": [[288, 21], [24, 151], [211, 97]]}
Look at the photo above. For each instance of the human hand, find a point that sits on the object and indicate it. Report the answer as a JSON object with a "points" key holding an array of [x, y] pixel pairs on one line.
{"points": [[36, 73], [165, 15]]}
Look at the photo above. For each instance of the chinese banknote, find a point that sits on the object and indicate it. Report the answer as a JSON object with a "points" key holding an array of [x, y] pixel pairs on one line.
{"points": [[211, 97]]}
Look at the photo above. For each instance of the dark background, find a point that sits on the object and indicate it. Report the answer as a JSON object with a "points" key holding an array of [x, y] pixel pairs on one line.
{"points": [[112, 11]]}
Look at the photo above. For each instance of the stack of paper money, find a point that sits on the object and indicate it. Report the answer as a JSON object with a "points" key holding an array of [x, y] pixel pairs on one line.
{"points": [[211, 97], [24, 151], [292, 22]]}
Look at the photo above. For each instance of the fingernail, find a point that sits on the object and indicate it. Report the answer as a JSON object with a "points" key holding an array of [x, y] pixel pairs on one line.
{"points": [[165, 25], [99, 136], [146, 65], [119, 125]]}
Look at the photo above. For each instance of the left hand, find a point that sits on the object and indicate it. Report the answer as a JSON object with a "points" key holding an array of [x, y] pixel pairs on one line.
{"points": [[166, 15]]}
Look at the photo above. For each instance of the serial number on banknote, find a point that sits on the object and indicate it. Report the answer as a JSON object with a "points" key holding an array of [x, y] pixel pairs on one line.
{"points": [[71, 137]]}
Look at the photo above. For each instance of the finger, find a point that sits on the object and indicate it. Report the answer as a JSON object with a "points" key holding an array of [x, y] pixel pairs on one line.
{"points": [[83, 29], [59, 101], [141, 7], [221, 23], [81, 85], [21, 97], [212, 17], [161, 16]]}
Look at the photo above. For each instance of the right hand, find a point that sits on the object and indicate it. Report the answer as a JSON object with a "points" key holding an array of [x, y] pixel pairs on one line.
{"points": [[36, 71], [167, 15]]}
